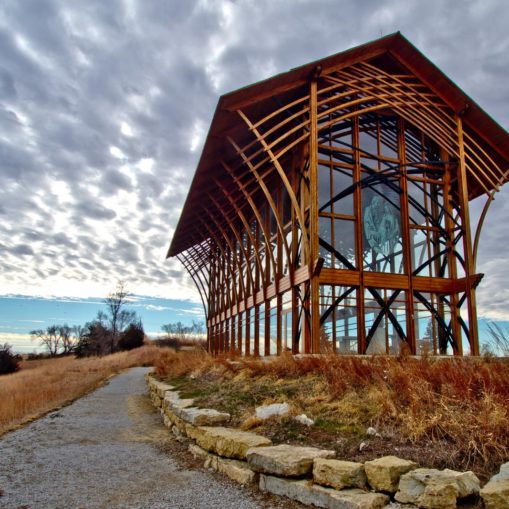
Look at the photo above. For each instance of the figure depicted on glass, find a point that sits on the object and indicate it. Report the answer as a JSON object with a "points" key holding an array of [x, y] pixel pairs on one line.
{"points": [[381, 226]]}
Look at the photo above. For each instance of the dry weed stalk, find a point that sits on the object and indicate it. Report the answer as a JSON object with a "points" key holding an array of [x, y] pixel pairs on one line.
{"points": [[463, 403]]}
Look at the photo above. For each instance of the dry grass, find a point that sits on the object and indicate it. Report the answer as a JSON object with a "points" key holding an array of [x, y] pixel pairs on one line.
{"points": [[43, 385], [442, 412]]}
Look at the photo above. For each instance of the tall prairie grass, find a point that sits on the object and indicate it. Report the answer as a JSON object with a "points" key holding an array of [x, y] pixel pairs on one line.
{"points": [[458, 405], [43, 385]]}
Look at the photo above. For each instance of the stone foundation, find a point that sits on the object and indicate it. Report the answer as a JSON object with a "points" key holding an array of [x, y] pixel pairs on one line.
{"points": [[312, 476]]}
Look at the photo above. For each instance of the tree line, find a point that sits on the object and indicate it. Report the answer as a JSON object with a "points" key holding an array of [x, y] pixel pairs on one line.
{"points": [[112, 330]]}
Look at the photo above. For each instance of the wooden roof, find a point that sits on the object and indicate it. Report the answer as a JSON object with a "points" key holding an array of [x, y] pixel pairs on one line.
{"points": [[256, 97]]}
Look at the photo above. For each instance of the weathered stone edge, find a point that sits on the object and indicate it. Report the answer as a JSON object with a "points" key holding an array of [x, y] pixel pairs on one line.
{"points": [[237, 470]]}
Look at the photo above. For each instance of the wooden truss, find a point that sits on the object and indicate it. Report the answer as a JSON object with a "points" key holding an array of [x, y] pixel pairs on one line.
{"points": [[330, 210]]}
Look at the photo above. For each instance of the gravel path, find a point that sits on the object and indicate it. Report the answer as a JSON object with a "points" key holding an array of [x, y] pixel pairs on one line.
{"points": [[110, 450]]}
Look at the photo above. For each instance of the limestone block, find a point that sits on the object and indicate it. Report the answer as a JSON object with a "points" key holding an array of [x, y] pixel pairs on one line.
{"points": [[468, 483], [495, 493], [285, 460], [168, 413], [190, 431], [301, 491], [305, 492], [236, 470], [211, 461], [172, 396], [268, 411], [352, 498], [175, 421], [436, 489], [383, 473], [227, 442], [203, 416], [178, 434], [197, 452], [176, 406], [159, 388], [339, 474]]}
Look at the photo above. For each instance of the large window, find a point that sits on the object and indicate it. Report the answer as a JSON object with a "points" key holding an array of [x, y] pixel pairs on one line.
{"points": [[338, 318], [385, 320]]}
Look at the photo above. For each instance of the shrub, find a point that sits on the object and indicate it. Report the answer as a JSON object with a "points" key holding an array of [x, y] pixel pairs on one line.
{"points": [[9, 362], [95, 340], [179, 343], [132, 337]]}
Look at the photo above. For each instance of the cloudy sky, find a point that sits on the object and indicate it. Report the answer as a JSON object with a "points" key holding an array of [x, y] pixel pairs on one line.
{"points": [[104, 106]]}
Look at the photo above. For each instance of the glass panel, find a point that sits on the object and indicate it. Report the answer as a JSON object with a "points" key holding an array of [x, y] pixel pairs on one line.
{"points": [[385, 329], [261, 328], [381, 227], [240, 332], [273, 327], [324, 188], [326, 328], [417, 203], [251, 331], [389, 138], [344, 243], [368, 142], [339, 318], [428, 251], [325, 234], [433, 324], [342, 180], [342, 134], [286, 333]]}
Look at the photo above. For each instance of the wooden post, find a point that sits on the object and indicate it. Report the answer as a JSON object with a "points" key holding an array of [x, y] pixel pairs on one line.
{"points": [[467, 243], [313, 216], [405, 235], [357, 175], [453, 273]]}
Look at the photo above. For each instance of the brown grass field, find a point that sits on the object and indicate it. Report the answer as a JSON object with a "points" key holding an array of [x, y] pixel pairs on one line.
{"points": [[441, 412], [44, 385]]}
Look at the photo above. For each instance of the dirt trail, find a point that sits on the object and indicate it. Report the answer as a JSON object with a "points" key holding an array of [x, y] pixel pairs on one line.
{"points": [[109, 450]]}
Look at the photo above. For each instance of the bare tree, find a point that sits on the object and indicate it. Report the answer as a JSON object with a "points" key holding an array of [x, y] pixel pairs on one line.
{"points": [[57, 338], [119, 317], [49, 338], [68, 338]]}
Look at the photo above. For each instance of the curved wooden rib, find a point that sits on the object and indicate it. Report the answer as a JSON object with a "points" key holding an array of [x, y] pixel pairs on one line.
{"points": [[261, 225], [232, 269], [247, 229], [270, 201], [246, 257], [286, 183]]}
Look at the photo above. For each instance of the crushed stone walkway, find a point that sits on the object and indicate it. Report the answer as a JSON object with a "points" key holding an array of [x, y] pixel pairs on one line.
{"points": [[110, 450]]}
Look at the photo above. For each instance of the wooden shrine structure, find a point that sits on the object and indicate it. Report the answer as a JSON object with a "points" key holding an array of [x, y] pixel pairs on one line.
{"points": [[330, 209]]}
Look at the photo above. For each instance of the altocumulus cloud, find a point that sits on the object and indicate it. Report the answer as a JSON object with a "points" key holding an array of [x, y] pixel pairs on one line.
{"points": [[104, 107]]}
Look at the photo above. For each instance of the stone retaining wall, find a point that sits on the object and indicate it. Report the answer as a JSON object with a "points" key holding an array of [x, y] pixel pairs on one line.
{"points": [[313, 476]]}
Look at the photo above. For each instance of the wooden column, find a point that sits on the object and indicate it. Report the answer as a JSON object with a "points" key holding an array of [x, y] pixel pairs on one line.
{"points": [[467, 243], [313, 216], [451, 262], [361, 315], [405, 234]]}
